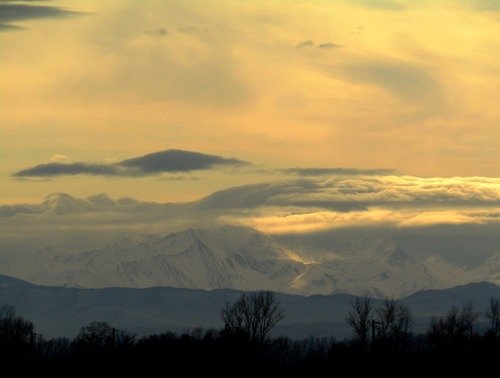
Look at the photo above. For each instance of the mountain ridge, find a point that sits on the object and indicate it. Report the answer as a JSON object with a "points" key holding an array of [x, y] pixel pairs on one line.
{"points": [[236, 257], [61, 311]]}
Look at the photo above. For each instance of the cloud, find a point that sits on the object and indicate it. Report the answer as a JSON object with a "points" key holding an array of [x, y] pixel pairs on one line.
{"points": [[310, 43], [192, 30], [360, 193], [57, 157], [9, 27], [168, 161], [303, 44], [160, 32], [59, 169], [328, 220], [398, 205], [337, 171], [465, 243], [19, 12], [178, 161], [329, 45]]}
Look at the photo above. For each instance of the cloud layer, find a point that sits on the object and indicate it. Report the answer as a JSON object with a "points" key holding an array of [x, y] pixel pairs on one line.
{"points": [[321, 171], [410, 207], [168, 161], [10, 13]]}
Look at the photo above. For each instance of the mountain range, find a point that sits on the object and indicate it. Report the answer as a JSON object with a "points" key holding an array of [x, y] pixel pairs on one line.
{"points": [[241, 258]]}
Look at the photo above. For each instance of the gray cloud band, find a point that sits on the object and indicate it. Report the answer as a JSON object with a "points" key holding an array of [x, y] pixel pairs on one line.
{"points": [[169, 161], [18, 12]]}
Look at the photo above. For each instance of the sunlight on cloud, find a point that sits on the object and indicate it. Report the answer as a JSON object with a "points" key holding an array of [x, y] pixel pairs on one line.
{"points": [[329, 220]]}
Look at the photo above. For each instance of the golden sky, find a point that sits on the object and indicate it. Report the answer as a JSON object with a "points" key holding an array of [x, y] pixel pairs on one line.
{"points": [[408, 85], [390, 108]]}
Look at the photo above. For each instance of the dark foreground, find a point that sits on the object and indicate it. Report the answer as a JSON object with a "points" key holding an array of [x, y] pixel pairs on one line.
{"points": [[216, 352], [383, 343]]}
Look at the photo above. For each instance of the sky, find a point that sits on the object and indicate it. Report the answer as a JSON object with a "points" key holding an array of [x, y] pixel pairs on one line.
{"points": [[298, 118]]}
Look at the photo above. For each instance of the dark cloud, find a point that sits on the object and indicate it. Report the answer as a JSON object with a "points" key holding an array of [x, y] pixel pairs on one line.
{"points": [[329, 45], [178, 161], [59, 169], [308, 43], [299, 193], [169, 161], [8, 27], [11, 210], [246, 196], [337, 171], [10, 13]]}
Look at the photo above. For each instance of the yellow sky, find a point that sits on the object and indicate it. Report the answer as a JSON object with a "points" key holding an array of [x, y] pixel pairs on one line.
{"points": [[408, 85]]}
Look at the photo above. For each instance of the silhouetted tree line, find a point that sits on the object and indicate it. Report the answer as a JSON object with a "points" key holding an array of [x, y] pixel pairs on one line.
{"points": [[382, 337]]}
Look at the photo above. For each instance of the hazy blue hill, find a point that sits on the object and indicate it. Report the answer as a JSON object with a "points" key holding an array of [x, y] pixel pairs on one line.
{"points": [[435, 302], [7, 282], [62, 311]]}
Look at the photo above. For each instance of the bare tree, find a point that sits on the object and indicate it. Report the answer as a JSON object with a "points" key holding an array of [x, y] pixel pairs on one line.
{"points": [[17, 336], [447, 333], [393, 323], [359, 318], [94, 337], [493, 315], [469, 319], [253, 315]]}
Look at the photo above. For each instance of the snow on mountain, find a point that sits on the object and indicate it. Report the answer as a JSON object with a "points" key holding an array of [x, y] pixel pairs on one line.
{"points": [[378, 267], [489, 270], [237, 258], [225, 257], [61, 203]]}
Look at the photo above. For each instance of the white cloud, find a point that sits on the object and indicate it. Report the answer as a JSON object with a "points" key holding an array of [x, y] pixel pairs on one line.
{"points": [[58, 157]]}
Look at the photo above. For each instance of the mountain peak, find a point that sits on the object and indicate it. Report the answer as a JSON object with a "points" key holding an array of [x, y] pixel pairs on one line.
{"points": [[64, 203], [55, 198], [368, 247], [400, 258], [101, 199]]}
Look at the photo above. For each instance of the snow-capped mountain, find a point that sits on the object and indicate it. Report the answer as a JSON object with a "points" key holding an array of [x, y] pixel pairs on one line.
{"points": [[224, 257], [377, 267], [489, 270], [239, 258]]}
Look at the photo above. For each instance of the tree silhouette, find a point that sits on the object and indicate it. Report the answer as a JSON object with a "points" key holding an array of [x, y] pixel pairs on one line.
{"points": [[94, 338], [17, 336], [253, 315], [469, 319], [100, 336], [392, 326], [359, 319], [493, 315], [447, 333]]}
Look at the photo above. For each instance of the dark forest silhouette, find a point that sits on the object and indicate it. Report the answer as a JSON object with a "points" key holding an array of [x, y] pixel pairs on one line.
{"points": [[382, 336]]}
